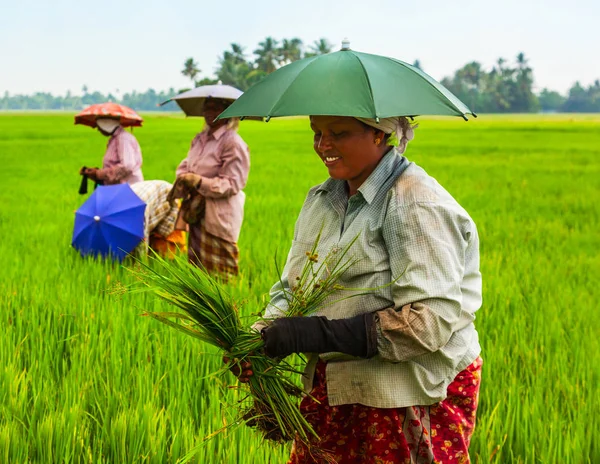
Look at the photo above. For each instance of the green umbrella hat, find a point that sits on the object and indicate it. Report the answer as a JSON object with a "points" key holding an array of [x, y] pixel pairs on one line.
{"points": [[347, 83]]}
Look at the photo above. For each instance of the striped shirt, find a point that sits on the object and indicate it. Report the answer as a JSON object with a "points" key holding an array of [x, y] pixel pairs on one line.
{"points": [[410, 231]]}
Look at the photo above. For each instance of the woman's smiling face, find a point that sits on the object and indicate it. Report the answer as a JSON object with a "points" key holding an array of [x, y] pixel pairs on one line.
{"points": [[347, 147]]}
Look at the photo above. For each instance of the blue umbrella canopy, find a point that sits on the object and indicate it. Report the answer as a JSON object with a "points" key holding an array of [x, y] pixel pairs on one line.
{"points": [[110, 222]]}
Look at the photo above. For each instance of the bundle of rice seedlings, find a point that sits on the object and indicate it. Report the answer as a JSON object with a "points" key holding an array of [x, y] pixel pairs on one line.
{"points": [[211, 315]]}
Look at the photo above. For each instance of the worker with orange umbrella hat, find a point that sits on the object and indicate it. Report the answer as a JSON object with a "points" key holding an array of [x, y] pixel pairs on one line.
{"points": [[122, 161]]}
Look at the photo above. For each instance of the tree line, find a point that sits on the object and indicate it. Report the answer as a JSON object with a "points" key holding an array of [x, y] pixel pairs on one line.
{"points": [[237, 69], [505, 88], [140, 101], [508, 88]]}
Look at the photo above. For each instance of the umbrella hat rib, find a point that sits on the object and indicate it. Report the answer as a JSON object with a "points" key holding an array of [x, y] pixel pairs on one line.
{"points": [[126, 116], [456, 104], [191, 102], [103, 196], [88, 209], [120, 241], [368, 81], [278, 103], [90, 240], [123, 207], [84, 228], [131, 220], [263, 95], [110, 231], [115, 198], [325, 86], [347, 83], [403, 90]]}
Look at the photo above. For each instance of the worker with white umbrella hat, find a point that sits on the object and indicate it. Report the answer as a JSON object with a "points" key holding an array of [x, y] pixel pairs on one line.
{"points": [[216, 169]]}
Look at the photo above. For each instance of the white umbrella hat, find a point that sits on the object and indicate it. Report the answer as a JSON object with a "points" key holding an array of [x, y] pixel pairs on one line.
{"points": [[192, 101]]}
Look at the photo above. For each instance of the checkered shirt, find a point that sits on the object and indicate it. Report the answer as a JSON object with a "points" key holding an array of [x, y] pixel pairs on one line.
{"points": [[160, 215], [410, 231]]}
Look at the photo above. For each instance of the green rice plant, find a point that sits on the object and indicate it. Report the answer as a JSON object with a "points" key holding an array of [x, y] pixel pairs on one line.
{"points": [[76, 357], [211, 315]]}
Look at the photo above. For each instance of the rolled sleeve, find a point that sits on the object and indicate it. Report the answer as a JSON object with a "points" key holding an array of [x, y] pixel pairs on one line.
{"points": [[427, 243], [114, 174]]}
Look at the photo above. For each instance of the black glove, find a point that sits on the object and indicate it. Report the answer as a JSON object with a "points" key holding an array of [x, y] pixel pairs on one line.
{"points": [[356, 336], [83, 187]]}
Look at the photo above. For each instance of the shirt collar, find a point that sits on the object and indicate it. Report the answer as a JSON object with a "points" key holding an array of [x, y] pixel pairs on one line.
{"points": [[218, 133], [117, 131], [371, 186]]}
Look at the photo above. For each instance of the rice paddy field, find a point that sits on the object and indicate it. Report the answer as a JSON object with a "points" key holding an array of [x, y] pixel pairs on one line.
{"points": [[85, 379]]}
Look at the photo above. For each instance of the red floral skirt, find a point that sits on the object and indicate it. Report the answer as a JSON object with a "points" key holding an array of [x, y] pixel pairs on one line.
{"points": [[353, 433]]}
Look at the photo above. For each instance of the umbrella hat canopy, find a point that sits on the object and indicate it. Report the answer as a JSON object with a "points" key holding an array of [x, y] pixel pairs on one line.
{"points": [[192, 101], [110, 222], [347, 83], [125, 115]]}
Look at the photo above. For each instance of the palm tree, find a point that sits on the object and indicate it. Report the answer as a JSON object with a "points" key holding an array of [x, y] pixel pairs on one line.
{"points": [[471, 76], [319, 47], [525, 99], [233, 73], [237, 53], [233, 68], [291, 50], [268, 55], [190, 69]]}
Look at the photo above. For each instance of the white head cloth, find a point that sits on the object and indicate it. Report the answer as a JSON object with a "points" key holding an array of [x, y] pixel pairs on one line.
{"points": [[108, 125], [405, 132]]}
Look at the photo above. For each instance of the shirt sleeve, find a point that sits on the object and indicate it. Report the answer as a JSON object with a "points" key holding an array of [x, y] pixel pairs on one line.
{"points": [[182, 168], [167, 224], [427, 242], [233, 173], [129, 154]]}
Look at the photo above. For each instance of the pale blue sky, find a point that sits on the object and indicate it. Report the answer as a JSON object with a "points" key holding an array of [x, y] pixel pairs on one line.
{"points": [[60, 45]]}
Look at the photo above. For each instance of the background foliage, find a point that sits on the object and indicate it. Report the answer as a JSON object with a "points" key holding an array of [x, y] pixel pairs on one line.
{"points": [[506, 88]]}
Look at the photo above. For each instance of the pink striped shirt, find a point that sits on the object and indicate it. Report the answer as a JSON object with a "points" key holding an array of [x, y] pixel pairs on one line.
{"points": [[122, 162], [223, 161]]}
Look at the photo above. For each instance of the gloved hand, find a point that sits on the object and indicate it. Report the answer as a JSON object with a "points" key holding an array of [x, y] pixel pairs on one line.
{"points": [[190, 180], [90, 173], [355, 336]]}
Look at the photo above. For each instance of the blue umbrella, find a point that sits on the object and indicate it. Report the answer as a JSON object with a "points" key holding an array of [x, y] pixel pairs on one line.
{"points": [[110, 222]]}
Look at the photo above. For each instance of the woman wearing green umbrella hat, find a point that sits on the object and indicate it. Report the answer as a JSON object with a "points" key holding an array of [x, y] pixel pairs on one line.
{"points": [[393, 374]]}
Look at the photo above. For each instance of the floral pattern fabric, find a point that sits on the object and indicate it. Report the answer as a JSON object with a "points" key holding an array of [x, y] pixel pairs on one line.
{"points": [[354, 433]]}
